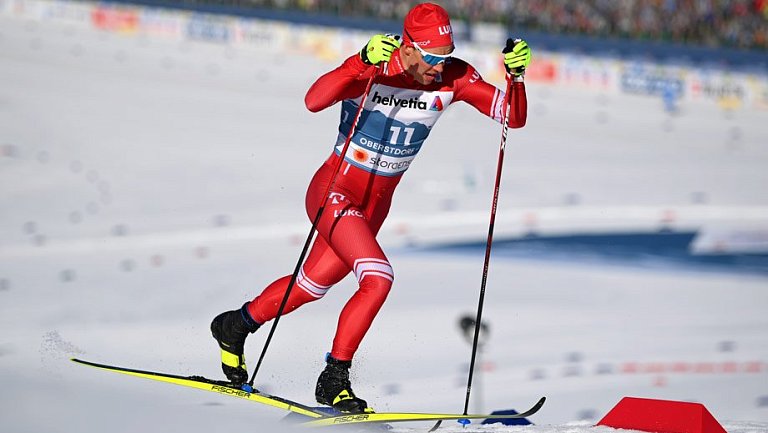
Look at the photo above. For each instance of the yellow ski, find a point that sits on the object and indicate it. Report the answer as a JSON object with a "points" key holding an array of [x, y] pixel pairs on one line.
{"points": [[319, 418]]}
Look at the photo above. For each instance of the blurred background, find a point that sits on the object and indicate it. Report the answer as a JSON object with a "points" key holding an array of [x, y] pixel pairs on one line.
{"points": [[154, 157], [738, 24]]}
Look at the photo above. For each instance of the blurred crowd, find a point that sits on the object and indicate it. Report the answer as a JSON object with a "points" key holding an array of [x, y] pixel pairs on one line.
{"points": [[715, 23]]}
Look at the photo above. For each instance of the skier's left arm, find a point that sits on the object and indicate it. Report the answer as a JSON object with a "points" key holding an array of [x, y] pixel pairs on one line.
{"points": [[488, 99]]}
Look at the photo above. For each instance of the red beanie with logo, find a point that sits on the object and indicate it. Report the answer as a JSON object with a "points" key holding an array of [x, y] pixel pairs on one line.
{"points": [[427, 25]]}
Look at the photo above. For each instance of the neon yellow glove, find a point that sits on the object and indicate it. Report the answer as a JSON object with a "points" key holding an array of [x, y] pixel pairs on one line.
{"points": [[517, 56], [379, 49]]}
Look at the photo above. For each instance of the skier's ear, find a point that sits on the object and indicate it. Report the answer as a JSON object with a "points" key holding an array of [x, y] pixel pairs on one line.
{"points": [[408, 50]]}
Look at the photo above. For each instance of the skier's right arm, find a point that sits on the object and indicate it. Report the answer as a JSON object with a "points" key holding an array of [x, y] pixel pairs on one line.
{"points": [[346, 81], [349, 80]]}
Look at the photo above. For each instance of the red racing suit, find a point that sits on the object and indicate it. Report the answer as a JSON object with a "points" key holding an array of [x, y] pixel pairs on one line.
{"points": [[397, 117]]}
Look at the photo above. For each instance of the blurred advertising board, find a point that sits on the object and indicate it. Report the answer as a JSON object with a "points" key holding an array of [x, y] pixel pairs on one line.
{"points": [[479, 44], [115, 18], [209, 28]]}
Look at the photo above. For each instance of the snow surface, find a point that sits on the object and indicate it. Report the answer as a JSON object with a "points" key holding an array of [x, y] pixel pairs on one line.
{"points": [[141, 195]]}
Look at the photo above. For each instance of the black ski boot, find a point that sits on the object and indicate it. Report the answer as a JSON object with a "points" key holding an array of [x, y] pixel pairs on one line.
{"points": [[230, 330], [335, 390]]}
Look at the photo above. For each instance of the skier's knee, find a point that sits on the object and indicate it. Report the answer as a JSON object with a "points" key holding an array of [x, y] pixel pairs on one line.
{"points": [[314, 289], [373, 267], [377, 273]]}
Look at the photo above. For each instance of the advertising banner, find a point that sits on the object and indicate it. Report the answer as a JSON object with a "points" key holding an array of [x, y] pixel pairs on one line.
{"points": [[209, 28], [331, 44], [115, 19], [161, 23]]}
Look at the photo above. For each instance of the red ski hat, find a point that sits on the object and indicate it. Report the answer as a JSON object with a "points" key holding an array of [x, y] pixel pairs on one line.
{"points": [[427, 25]]}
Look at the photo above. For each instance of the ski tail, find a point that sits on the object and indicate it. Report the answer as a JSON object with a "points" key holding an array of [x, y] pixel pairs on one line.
{"points": [[390, 417]]}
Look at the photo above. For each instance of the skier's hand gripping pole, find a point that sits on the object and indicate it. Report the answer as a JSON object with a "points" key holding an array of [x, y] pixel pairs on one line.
{"points": [[315, 222], [517, 56], [379, 49]]}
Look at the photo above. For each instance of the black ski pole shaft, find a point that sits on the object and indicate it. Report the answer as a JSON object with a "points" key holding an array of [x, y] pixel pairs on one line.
{"points": [[313, 228], [489, 242]]}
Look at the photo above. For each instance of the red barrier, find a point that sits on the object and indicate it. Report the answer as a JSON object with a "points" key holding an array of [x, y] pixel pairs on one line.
{"points": [[661, 416]]}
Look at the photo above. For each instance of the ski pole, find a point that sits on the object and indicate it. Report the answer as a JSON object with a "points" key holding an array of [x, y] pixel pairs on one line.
{"points": [[488, 244], [315, 222]]}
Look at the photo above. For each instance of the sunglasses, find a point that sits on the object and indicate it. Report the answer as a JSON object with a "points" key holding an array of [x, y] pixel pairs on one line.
{"points": [[429, 58]]}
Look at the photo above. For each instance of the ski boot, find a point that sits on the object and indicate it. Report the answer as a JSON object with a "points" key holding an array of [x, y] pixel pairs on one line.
{"points": [[230, 330], [335, 390]]}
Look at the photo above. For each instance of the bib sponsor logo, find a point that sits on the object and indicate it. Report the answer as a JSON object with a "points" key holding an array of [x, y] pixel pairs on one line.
{"points": [[359, 155], [437, 104], [394, 101], [389, 165]]}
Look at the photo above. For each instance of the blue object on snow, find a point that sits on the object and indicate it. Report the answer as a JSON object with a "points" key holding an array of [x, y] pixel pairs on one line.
{"points": [[507, 421], [247, 388], [463, 421]]}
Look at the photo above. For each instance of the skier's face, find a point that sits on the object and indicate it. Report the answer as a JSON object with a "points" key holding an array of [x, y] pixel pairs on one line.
{"points": [[416, 65]]}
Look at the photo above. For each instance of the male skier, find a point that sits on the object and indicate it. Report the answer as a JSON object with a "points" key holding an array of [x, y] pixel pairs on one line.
{"points": [[419, 79]]}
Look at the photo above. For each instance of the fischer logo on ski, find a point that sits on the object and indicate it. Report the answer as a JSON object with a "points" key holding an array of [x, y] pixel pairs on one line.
{"points": [[350, 418], [230, 391]]}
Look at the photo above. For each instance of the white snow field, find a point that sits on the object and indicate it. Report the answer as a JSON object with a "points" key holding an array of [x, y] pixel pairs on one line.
{"points": [[147, 185]]}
